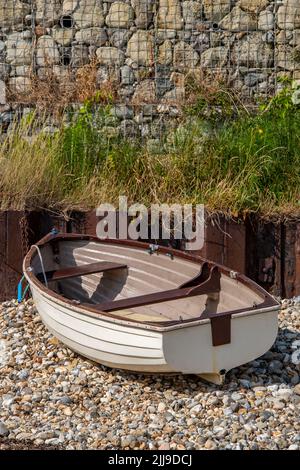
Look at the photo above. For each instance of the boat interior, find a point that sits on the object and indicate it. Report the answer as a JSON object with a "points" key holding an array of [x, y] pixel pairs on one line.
{"points": [[138, 284]]}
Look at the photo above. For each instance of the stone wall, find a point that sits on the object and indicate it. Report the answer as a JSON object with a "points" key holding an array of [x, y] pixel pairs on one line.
{"points": [[148, 46]]}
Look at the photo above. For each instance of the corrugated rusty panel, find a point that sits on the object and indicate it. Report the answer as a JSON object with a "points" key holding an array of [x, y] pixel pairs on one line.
{"points": [[10, 252], [266, 252], [297, 255], [214, 244], [263, 254], [14, 257], [90, 222], [19, 230], [3, 267], [291, 275], [289, 257], [225, 243], [235, 246], [224, 240], [277, 286], [76, 222], [41, 222], [269, 253]]}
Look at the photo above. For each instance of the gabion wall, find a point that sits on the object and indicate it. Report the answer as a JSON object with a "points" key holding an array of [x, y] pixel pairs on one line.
{"points": [[147, 47]]}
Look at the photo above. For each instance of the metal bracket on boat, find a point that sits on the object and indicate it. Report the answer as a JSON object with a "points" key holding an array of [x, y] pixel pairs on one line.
{"points": [[221, 329], [152, 249]]}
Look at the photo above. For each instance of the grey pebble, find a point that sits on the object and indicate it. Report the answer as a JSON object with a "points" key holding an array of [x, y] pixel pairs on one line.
{"points": [[52, 396], [3, 430]]}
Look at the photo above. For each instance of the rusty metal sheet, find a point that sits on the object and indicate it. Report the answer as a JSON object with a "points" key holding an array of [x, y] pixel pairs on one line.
{"points": [[297, 264], [266, 252], [235, 246], [291, 255], [14, 257], [10, 253], [214, 244], [41, 222], [225, 243], [90, 223], [264, 260]]}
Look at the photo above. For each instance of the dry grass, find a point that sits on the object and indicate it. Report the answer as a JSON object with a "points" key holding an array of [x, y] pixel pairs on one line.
{"points": [[250, 164], [209, 93], [30, 175], [38, 170], [56, 90]]}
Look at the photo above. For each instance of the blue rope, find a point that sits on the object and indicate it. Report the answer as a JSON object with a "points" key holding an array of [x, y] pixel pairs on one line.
{"points": [[21, 293]]}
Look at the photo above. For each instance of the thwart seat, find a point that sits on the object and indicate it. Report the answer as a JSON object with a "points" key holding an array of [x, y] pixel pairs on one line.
{"points": [[206, 282], [77, 271]]}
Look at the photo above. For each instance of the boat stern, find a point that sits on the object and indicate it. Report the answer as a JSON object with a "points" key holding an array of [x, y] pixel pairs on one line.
{"points": [[190, 350]]}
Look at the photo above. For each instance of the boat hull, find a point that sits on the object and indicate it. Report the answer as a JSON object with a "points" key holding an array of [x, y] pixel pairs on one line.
{"points": [[188, 349]]}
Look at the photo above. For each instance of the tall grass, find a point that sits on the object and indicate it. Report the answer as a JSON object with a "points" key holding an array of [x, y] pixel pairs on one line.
{"points": [[250, 163], [30, 175]]}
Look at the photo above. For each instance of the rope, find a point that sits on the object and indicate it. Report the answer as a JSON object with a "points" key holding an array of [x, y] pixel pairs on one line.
{"points": [[42, 263], [21, 294]]}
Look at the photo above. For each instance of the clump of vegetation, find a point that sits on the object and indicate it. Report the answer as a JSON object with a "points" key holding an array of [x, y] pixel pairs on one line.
{"points": [[56, 90], [208, 94], [250, 163], [30, 172]]}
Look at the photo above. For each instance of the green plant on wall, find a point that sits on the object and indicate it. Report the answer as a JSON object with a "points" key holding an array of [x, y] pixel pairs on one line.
{"points": [[249, 163], [82, 143], [210, 98]]}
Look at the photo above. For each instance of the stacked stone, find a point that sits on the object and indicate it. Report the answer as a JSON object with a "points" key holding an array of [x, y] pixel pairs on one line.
{"points": [[149, 46]]}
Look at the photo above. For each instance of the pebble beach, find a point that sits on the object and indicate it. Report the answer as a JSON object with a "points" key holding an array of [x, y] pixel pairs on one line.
{"points": [[52, 398]]}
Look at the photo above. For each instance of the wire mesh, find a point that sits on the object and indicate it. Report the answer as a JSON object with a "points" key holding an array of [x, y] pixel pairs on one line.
{"points": [[137, 54]]}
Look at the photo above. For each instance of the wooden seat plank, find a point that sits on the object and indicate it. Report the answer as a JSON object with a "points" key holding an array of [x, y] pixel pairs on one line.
{"points": [[210, 285], [83, 270]]}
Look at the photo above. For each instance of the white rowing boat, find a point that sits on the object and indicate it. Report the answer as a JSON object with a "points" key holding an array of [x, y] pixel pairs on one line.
{"points": [[132, 306]]}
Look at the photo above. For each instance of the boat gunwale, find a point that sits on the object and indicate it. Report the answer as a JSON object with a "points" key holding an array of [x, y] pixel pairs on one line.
{"points": [[267, 305]]}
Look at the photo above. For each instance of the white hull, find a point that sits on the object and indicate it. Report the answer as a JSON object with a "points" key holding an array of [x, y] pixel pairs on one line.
{"points": [[208, 333], [186, 350]]}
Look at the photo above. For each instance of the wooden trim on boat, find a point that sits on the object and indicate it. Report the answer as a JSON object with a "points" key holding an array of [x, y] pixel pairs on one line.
{"points": [[84, 270], [208, 286], [221, 330], [220, 322]]}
